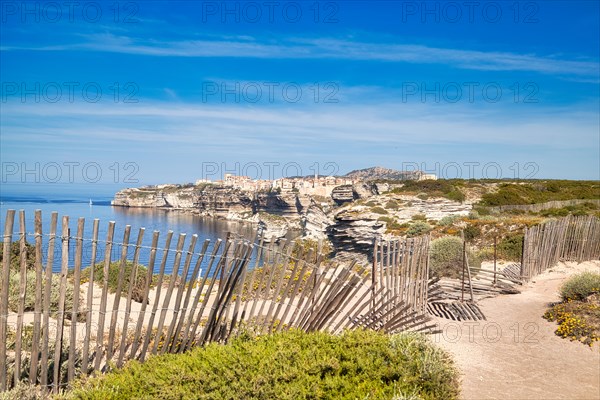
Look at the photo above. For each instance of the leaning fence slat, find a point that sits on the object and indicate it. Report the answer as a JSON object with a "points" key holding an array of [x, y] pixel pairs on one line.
{"points": [[8, 230], [90, 300], [268, 324], [47, 293], [167, 300], [103, 298], [285, 296], [192, 334], [60, 316], [117, 300], [75, 311], [37, 316], [272, 268], [251, 291], [147, 285], [218, 267], [132, 284], [263, 274], [159, 283], [171, 340], [180, 330], [22, 288]]}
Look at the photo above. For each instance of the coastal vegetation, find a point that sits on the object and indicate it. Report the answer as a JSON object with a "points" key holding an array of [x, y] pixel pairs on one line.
{"points": [[114, 270], [446, 257], [288, 365], [578, 314], [30, 281]]}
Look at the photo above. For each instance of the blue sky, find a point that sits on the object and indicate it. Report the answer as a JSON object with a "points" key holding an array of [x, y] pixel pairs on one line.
{"points": [[152, 92]]}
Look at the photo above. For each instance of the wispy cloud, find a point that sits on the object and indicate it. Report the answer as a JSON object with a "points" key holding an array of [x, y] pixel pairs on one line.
{"points": [[326, 48], [202, 125]]}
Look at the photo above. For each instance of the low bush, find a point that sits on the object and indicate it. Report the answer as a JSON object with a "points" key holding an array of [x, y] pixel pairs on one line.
{"points": [[378, 210], [578, 315], [471, 232], [456, 195], [510, 247], [581, 286], [576, 320], [391, 224], [448, 220], [14, 288], [419, 217], [113, 278], [392, 205], [446, 257], [30, 282], [23, 391], [473, 214], [15, 260], [288, 365], [418, 228]]}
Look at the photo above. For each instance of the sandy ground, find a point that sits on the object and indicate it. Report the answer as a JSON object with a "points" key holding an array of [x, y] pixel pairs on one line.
{"points": [[515, 353]]}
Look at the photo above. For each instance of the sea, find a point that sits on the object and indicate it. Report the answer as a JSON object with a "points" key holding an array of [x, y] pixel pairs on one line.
{"points": [[91, 205]]}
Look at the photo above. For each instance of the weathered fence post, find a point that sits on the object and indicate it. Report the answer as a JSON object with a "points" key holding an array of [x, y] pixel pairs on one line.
{"points": [[8, 230]]}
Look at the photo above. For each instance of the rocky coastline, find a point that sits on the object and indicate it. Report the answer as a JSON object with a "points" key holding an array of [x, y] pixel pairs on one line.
{"points": [[349, 219]]}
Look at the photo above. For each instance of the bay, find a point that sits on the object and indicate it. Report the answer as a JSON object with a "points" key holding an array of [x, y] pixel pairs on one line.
{"points": [[151, 219]]}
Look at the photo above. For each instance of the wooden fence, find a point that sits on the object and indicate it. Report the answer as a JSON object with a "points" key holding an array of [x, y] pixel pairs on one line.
{"points": [[56, 326], [402, 266], [545, 206], [566, 239]]}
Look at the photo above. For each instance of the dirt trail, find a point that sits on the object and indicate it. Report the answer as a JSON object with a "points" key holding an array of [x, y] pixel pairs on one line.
{"points": [[515, 353]]}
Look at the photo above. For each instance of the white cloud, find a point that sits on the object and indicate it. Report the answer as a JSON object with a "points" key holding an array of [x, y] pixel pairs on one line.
{"points": [[324, 48]]}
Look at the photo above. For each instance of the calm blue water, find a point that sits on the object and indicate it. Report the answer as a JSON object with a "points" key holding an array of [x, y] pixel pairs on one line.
{"points": [[159, 220]]}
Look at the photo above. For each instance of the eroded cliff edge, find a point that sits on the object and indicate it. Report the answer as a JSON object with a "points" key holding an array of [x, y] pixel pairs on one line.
{"points": [[349, 218]]}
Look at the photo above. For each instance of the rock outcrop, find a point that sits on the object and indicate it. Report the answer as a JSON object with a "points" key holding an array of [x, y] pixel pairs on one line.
{"points": [[315, 222], [354, 232]]}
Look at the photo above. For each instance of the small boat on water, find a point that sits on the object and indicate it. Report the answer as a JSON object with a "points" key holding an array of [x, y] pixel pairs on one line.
{"points": [[91, 202]]}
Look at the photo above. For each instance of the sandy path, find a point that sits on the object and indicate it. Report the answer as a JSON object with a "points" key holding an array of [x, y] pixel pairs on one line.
{"points": [[515, 353]]}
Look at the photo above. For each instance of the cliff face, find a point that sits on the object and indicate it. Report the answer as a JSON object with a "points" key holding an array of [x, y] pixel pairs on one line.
{"points": [[354, 233]]}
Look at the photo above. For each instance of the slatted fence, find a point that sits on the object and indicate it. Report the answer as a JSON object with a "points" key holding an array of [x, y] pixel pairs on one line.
{"points": [[573, 238], [55, 326]]}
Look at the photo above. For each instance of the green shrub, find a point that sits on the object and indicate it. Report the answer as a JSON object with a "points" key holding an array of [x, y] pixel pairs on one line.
{"points": [[392, 205], [482, 210], [456, 195], [580, 286], [13, 292], [418, 228], [378, 210], [446, 259], [22, 388], [15, 261], [511, 248], [288, 365], [471, 232], [540, 192], [473, 214], [370, 203], [30, 277], [391, 223], [419, 217], [448, 220], [486, 253], [23, 391], [113, 278]]}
